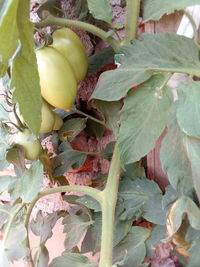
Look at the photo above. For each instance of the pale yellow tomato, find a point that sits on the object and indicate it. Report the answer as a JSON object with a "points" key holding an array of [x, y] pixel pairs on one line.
{"points": [[57, 80], [69, 45], [58, 123], [32, 148]]}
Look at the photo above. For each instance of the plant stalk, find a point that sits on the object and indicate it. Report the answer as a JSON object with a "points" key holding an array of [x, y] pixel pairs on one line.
{"points": [[89, 117], [132, 15], [108, 210], [52, 21]]}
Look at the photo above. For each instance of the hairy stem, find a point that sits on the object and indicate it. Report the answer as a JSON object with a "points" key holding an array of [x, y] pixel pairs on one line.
{"points": [[132, 15], [108, 210], [51, 20]]}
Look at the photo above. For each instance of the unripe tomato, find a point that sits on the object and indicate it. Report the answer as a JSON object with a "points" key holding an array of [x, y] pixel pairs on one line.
{"points": [[48, 118], [57, 123], [69, 44], [32, 148], [57, 80]]}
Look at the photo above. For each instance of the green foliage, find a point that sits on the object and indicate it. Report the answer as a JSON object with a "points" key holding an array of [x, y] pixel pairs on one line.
{"points": [[140, 127], [71, 128], [122, 211], [132, 247], [173, 154], [68, 158], [100, 59], [155, 53], [100, 10], [155, 9]]}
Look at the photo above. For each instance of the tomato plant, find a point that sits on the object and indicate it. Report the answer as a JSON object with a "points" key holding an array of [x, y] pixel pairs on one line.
{"points": [[119, 215]]}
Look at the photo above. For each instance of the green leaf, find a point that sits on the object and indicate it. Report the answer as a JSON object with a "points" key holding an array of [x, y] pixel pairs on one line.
{"points": [[188, 111], [100, 10], [74, 226], [14, 246], [69, 158], [25, 78], [182, 206], [194, 254], [134, 170], [173, 154], [111, 113], [100, 59], [170, 196], [92, 239], [71, 128], [70, 259], [93, 128], [42, 226], [51, 6], [167, 52], [89, 202], [8, 32], [153, 210], [192, 146], [135, 193], [155, 9], [158, 233], [121, 229], [32, 181], [5, 182], [132, 247], [142, 119]]}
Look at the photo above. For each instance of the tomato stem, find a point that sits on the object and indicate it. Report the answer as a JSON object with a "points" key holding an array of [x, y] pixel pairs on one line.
{"points": [[132, 15], [52, 21], [89, 117], [108, 210]]}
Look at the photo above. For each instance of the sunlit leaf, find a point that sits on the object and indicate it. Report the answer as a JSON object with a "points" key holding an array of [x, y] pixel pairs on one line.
{"points": [[167, 52], [182, 206], [155, 9]]}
